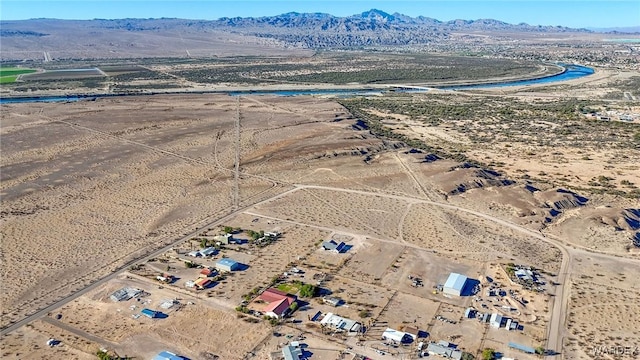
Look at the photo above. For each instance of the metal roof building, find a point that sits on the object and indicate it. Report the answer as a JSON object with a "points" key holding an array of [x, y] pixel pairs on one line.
{"points": [[524, 274], [340, 323], [210, 251], [125, 293], [496, 320], [227, 264], [224, 239], [397, 336], [455, 284], [444, 351], [202, 283], [523, 348], [333, 301], [291, 352], [166, 355], [149, 313]]}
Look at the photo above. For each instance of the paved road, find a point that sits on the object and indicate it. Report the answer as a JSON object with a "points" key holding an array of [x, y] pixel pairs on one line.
{"points": [[558, 313], [39, 314], [98, 340]]}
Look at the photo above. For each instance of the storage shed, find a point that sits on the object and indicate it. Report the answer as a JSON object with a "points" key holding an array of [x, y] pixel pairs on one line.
{"points": [[523, 348], [470, 313]]}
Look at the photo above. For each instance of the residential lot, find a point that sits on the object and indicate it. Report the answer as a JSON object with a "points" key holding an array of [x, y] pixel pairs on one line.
{"points": [[104, 188], [406, 310], [184, 328], [372, 260]]}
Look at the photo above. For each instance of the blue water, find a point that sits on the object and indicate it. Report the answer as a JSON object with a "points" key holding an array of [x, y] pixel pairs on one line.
{"points": [[623, 41], [38, 99], [339, 92], [572, 72]]}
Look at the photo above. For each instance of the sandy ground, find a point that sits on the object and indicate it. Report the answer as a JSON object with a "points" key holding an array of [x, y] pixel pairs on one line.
{"points": [[98, 183], [110, 179], [603, 311]]}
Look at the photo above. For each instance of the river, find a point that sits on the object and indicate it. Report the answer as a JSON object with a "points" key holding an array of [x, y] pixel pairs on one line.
{"points": [[571, 72]]}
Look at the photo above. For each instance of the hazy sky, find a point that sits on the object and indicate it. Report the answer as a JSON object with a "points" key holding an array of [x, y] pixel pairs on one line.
{"points": [[573, 13]]}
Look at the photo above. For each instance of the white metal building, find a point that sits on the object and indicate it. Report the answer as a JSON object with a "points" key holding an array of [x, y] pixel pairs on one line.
{"points": [[339, 323], [496, 320], [444, 351], [397, 336], [455, 284]]}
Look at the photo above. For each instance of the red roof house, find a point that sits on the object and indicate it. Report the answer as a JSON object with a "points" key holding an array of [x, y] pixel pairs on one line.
{"points": [[207, 272], [270, 295], [279, 308], [202, 283], [279, 302]]}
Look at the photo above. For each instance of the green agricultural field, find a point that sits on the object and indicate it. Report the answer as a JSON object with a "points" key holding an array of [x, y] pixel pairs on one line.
{"points": [[9, 75]]}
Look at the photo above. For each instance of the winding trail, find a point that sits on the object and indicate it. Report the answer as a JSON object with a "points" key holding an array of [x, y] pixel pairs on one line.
{"points": [[556, 329], [555, 332], [428, 195], [560, 303]]}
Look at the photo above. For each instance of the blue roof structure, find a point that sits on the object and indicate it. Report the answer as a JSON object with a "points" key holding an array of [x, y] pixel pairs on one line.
{"points": [[148, 313], [166, 355], [227, 262], [455, 283], [334, 246], [527, 349]]}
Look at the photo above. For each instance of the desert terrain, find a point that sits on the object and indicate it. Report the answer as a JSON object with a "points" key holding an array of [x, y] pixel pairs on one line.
{"points": [[185, 133], [90, 188]]}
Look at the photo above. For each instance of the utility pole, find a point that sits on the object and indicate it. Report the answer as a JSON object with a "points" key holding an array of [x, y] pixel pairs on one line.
{"points": [[236, 178]]}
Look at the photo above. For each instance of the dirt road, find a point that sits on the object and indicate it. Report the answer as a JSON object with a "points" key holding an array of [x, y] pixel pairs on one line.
{"points": [[56, 305], [555, 333]]}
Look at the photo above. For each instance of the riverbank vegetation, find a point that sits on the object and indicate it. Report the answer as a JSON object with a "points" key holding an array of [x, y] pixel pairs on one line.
{"points": [[361, 68], [337, 68]]}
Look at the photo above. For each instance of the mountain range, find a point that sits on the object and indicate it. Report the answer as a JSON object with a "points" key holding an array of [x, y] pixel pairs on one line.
{"points": [[312, 30], [150, 37]]}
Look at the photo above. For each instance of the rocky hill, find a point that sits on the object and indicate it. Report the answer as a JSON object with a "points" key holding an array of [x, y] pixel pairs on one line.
{"points": [[300, 30]]}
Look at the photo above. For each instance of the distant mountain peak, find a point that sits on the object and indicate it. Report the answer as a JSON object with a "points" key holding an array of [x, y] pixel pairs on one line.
{"points": [[377, 14], [306, 30]]}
